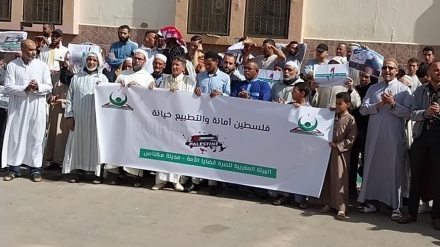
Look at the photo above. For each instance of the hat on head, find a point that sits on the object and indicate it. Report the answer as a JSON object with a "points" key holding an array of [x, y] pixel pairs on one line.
{"points": [[58, 31], [161, 57], [292, 63], [141, 51], [338, 59], [322, 47]]}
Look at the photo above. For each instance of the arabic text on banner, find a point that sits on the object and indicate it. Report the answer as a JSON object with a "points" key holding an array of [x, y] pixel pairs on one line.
{"points": [[254, 143]]}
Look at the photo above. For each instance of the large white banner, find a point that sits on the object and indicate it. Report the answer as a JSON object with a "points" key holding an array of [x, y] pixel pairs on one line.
{"points": [[260, 144]]}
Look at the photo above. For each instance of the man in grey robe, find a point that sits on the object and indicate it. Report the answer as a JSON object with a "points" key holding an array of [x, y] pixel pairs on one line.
{"points": [[82, 153], [388, 105]]}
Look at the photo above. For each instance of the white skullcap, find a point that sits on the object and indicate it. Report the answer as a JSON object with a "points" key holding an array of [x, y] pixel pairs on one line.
{"points": [[141, 51], [338, 59], [161, 57], [293, 64]]}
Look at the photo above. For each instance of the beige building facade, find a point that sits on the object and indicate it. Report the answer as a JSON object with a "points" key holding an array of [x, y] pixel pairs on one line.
{"points": [[394, 28]]}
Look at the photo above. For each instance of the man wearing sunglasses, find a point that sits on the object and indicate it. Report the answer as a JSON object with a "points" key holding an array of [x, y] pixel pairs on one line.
{"points": [[387, 104]]}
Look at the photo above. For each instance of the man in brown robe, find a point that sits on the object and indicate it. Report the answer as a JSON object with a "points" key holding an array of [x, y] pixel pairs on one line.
{"points": [[54, 56]]}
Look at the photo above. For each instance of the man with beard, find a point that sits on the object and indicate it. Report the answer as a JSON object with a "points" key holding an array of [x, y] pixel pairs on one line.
{"points": [[230, 67], [387, 104], [27, 83], [120, 50], [271, 55], [214, 82], [54, 56], [296, 52], [137, 75], [425, 150], [80, 113], [47, 33], [282, 90], [140, 77]]}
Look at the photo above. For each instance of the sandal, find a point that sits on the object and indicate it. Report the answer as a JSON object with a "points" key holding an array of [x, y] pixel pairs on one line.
{"points": [[341, 215], [97, 180], [36, 177], [368, 208], [280, 201], [325, 209], [76, 179], [9, 177], [396, 215]]}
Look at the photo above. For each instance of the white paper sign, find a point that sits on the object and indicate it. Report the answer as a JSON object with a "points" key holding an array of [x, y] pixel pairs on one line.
{"points": [[254, 143], [328, 75], [270, 76], [11, 41], [78, 51]]}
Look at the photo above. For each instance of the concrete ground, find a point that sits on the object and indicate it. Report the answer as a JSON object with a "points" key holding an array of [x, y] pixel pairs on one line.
{"points": [[56, 213]]}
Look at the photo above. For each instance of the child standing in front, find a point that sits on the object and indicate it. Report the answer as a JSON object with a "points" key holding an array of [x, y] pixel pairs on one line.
{"points": [[334, 194], [300, 92]]}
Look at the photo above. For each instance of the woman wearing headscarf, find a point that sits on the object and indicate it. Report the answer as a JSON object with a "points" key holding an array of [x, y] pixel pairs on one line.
{"points": [[82, 153]]}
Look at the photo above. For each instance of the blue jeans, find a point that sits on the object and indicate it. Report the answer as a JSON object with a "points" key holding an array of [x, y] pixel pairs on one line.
{"points": [[17, 171]]}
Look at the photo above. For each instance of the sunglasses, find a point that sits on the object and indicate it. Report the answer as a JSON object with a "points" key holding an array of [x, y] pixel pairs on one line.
{"points": [[388, 67]]}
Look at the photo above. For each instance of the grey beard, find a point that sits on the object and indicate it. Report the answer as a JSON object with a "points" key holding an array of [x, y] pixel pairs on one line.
{"points": [[92, 69], [136, 68]]}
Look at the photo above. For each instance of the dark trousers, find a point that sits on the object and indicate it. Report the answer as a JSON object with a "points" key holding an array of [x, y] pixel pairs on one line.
{"points": [[3, 118], [425, 151], [358, 148]]}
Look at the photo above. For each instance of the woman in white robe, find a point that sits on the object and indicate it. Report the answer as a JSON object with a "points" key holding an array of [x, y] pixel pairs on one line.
{"points": [[82, 152], [176, 81]]}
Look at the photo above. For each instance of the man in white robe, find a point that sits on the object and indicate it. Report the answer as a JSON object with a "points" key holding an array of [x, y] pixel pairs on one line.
{"points": [[27, 83], [138, 76], [388, 105], [82, 153], [176, 81]]}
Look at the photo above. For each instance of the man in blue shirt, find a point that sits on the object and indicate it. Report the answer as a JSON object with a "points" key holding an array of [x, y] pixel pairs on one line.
{"points": [[212, 80], [120, 50], [215, 82], [251, 88]]}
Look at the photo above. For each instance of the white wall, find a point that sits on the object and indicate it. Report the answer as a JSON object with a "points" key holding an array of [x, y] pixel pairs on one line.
{"points": [[156, 13], [403, 21]]}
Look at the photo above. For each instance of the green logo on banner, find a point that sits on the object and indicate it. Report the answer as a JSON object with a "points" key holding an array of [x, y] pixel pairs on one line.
{"points": [[211, 163], [118, 102], [307, 126]]}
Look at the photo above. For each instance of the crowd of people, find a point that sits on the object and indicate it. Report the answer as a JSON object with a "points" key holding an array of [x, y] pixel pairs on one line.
{"points": [[385, 129]]}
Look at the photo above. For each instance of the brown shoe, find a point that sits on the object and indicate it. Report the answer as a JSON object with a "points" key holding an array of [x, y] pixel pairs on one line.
{"points": [[436, 224], [406, 219]]}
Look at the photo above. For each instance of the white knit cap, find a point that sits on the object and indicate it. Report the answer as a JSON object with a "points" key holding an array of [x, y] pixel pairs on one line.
{"points": [[161, 57], [141, 51], [293, 64]]}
